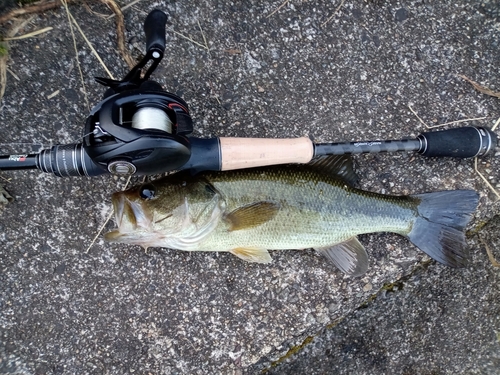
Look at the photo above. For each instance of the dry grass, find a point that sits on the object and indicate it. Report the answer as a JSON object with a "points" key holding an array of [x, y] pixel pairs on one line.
{"points": [[4, 57], [34, 8], [4, 46], [446, 123], [29, 35], [494, 262], [278, 8], [99, 232], [120, 32], [334, 13], [283, 4], [480, 88]]}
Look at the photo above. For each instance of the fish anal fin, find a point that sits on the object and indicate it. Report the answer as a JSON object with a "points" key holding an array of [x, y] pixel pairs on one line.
{"points": [[349, 256], [340, 166], [251, 254], [251, 215]]}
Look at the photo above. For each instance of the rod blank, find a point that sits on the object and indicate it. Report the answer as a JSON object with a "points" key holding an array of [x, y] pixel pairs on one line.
{"points": [[367, 147], [462, 143]]}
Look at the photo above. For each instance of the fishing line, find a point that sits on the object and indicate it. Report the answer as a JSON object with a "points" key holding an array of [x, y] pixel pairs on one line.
{"points": [[42, 145]]}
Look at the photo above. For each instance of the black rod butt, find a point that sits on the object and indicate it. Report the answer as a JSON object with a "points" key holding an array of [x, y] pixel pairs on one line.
{"points": [[466, 142]]}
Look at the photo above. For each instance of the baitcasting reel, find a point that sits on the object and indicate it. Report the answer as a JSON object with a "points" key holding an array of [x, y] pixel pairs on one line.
{"points": [[138, 127]]}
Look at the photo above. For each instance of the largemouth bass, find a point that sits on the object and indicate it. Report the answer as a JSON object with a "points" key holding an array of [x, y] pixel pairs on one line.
{"points": [[248, 212]]}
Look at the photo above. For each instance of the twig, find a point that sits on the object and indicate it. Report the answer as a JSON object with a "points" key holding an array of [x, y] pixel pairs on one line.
{"points": [[5, 57], [99, 232], [36, 8], [203, 35], [13, 74], [70, 18], [457, 122], [278, 8], [417, 116], [493, 261], [188, 38], [485, 180], [29, 35], [120, 32], [480, 88], [125, 7], [131, 4], [120, 28], [3, 75], [213, 92], [19, 24], [100, 15], [446, 123], [496, 125], [335, 11], [91, 47], [105, 222], [54, 94]]}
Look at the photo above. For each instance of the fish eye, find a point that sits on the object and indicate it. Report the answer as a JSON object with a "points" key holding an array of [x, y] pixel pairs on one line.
{"points": [[147, 191]]}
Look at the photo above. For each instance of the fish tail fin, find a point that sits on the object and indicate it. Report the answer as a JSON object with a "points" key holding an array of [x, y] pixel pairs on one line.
{"points": [[439, 228]]}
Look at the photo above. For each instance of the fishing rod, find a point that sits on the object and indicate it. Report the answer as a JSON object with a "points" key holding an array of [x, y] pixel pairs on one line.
{"points": [[140, 129]]}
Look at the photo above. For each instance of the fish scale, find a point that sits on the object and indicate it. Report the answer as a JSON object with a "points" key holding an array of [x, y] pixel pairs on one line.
{"points": [[316, 210]]}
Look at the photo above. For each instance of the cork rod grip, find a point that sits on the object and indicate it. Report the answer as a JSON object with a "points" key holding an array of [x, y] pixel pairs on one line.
{"points": [[238, 153]]}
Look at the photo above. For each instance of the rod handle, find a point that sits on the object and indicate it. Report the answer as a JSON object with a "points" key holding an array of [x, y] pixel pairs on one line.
{"points": [[238, 153], [466, 142]]}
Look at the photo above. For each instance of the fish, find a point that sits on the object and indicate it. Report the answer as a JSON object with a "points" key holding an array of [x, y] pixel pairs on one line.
{"points": [[248, 212]]}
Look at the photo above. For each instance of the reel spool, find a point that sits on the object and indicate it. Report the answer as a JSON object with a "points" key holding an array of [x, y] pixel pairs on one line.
{"points": [[151, 118]]}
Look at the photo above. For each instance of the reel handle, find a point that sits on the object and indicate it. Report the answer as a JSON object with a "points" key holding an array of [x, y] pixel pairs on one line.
{"points": [[154, 28]]}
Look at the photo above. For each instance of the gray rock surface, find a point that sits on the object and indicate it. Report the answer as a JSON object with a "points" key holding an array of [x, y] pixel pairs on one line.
{"points": [[291, 73], [433, 322]]}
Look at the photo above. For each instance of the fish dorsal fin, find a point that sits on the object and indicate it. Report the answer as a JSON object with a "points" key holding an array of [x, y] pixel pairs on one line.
{"points": [[254, 255], [349, 256], [251, 215], [340, 166]]}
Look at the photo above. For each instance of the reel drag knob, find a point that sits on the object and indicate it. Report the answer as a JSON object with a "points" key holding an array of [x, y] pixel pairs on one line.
{"points": [[121, 168]]}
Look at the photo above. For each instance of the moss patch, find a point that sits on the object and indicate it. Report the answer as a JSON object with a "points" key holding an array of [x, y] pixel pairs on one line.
{"points": [[293, 350]]}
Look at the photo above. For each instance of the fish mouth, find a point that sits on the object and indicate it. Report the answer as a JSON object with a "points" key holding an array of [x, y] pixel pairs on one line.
{"points": [[129, 216]]}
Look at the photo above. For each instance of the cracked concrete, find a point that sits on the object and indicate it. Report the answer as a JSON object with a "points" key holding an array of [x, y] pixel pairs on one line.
{"points": [[117, 310]]}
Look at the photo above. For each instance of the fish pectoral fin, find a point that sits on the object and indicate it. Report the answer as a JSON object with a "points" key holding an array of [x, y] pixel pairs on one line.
{"points": [[113, 236], [349, 256], [252, 254], [251, 215]]}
